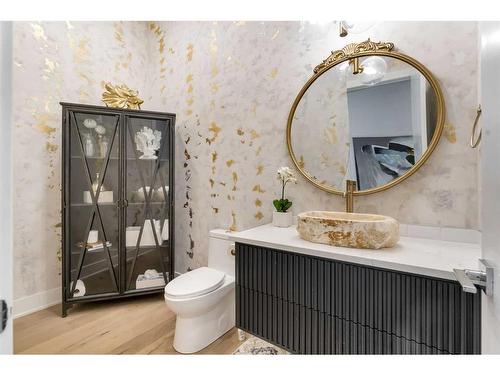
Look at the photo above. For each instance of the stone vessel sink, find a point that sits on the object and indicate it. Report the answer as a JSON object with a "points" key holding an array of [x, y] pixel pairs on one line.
{"points": [[364, 231]]}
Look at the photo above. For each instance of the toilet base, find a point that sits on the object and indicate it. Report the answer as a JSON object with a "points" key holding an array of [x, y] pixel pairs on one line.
{"points": [[193, 333]]}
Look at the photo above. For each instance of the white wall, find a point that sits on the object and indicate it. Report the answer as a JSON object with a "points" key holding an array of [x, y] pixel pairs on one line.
{"points": [[6, 289], [490, 179]]}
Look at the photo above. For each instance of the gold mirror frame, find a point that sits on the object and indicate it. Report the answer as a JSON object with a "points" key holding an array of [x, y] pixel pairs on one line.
{"points": [[352, 52]]}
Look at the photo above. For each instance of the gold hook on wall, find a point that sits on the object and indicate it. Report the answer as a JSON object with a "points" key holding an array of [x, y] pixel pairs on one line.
{"points": [[475, 143]]}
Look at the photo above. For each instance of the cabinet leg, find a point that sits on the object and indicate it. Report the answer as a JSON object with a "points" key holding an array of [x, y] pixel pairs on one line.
{"points": [[64, 310]]}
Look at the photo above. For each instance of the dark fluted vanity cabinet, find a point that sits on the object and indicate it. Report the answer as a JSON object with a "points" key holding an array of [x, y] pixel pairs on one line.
{"points": [[312, 305], [117, 202]]}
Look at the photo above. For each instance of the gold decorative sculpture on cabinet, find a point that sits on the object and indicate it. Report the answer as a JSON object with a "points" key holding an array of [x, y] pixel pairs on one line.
{"points": [[120, 96]]}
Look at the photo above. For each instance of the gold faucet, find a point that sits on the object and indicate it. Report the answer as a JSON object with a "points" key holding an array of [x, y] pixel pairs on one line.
{"points": [[350, 187]]}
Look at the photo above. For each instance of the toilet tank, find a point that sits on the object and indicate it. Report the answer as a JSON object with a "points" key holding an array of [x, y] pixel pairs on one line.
{"points": [[219, 252]]}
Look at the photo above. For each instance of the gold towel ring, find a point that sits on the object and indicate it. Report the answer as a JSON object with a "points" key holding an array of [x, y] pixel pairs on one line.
{"points": [[475, 143]]}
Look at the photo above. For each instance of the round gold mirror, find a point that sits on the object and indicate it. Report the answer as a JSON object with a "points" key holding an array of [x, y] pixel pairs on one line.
{"points": [[368, 114]]}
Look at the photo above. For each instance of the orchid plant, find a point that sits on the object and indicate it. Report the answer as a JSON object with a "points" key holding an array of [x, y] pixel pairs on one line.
{"points": [[285, 175]]}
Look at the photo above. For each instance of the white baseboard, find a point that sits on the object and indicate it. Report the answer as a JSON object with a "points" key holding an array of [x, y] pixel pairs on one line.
{"points": [[39, 301], [36, 302]]}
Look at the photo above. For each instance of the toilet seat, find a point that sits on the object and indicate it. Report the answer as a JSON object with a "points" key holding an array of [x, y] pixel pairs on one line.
{"points": [[195, 283]]}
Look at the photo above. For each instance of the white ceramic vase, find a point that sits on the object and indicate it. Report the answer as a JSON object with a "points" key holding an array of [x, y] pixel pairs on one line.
{"points": [[282, 219]]}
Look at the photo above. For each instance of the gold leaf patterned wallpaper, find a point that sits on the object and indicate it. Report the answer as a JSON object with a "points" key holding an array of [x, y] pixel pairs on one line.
{"points": [[53, 62], [231, 85]]}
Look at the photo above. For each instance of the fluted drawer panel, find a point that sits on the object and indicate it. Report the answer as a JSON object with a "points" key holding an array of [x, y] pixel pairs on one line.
{"points": [[275, 272], [427, 311], [302, 330], [430, 311]]}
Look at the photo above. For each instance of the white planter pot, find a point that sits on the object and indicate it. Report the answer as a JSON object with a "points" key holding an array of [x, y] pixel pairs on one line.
{"points": [[282, 219]]}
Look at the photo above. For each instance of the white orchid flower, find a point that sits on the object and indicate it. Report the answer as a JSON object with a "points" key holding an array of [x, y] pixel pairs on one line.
{"points": [[99, 129], [285, 174], [89, 123]]}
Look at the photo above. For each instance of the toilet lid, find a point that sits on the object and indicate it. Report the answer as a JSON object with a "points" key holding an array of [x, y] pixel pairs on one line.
{"points": [[198, 282]]}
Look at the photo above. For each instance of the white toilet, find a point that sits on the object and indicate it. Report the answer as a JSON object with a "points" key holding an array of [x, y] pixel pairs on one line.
{"points": [[203, 299]]}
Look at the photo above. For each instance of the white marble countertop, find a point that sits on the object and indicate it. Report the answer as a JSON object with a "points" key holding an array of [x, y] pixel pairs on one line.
{"points": [[429, 257]]}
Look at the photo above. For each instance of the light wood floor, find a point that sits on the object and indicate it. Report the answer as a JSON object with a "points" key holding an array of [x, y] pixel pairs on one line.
{"points": [[141, 325]]}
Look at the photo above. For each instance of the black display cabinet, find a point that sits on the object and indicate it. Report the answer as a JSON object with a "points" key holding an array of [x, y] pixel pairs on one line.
{"points": [[117, 203]]}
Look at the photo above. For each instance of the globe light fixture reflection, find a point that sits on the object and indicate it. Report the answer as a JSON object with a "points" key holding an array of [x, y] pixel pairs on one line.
{"points": [[374, 70]]}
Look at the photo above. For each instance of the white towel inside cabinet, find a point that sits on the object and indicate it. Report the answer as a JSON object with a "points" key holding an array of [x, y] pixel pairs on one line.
{"points": [[147, 239]]}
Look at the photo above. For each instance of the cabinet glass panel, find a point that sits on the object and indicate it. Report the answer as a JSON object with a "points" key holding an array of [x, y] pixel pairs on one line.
{"points": [[93, 210], [146, 218]]}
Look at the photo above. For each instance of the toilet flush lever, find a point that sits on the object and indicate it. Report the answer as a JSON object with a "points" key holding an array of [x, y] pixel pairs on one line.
{"points": [[470, 279], [233, 250]]}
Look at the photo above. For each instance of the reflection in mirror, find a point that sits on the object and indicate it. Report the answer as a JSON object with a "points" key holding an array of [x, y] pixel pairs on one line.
{"points": [[369, 119]]}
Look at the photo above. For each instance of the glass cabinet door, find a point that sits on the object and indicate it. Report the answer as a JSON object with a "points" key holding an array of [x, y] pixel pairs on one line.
{"points": [[147, 185], [94, 186]]}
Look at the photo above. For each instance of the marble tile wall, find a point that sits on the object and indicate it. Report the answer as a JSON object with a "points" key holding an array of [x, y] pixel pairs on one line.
{"points": [[231, 85]]}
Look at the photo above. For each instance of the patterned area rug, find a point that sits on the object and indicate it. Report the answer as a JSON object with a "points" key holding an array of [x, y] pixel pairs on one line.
{"points": [[255, 346]]}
